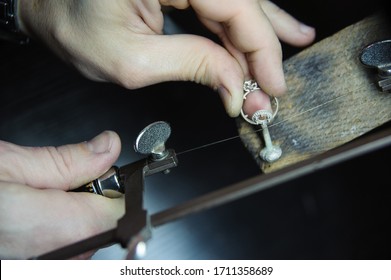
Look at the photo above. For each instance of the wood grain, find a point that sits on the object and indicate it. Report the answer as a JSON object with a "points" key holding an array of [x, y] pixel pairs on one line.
{"points": [[332, 98]]}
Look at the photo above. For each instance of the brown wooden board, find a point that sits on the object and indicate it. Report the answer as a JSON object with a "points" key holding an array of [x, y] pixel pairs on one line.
{"points": [[332, 97]]}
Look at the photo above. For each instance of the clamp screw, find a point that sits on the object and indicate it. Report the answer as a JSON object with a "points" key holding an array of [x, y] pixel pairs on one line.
{"points": [[151, 140], [270, 153]]}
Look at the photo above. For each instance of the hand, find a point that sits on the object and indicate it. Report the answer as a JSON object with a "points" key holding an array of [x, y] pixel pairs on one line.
{"points": [[37, 213], [121, 41]]}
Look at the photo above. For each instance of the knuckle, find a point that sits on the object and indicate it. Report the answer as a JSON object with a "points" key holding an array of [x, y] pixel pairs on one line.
{"points": [[61, 164], [201, 70], [9, 163]]}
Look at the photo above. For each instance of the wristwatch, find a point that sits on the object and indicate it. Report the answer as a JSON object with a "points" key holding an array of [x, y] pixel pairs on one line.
{"points": [[9, 29]]}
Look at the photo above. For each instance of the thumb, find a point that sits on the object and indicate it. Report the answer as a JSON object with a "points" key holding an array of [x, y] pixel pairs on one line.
{"points": [[194, 58], [65, 167]]}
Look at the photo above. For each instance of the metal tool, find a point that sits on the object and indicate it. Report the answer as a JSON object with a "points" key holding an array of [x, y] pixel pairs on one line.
{"points": [[270, 153], [134, 228], [151, 142], [378, 55]]}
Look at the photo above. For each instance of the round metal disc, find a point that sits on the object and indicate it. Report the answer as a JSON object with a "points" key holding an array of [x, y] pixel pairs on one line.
{"points": [[377, 54], [151, 137]]}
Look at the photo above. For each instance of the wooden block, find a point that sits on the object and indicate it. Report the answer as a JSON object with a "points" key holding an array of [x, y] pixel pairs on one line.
{"points": [[332, 97]]}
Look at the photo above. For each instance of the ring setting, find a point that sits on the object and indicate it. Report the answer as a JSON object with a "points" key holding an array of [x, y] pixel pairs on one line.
{"points": [[270, 153], [261, 116]]}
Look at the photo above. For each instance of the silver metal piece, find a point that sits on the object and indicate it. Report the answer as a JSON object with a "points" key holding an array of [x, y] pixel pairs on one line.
{"points": [[262, 117], [108, 184], [378, 55], [270, 153], [152, 139], [249, 87]]}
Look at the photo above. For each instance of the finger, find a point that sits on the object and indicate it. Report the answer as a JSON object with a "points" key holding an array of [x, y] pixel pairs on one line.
{"points": [[219, 30], [250, 32], [65, 167], [35, 221], [288, 29], [187, 58], [256, 100]]}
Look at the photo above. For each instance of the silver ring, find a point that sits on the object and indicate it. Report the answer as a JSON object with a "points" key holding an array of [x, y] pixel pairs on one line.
{"points": [[249, 86], [260, 117]]}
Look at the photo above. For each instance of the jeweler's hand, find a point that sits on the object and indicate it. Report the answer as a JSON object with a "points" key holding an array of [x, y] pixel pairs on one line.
{"points": [[121, 41], [287, 29], [37, 213]]}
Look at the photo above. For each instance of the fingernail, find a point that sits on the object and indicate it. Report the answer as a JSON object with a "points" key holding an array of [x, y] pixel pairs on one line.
{"points": [[305, 29], [100, 144]]}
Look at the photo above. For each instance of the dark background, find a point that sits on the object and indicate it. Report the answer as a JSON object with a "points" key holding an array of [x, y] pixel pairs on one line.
{"points": [[329, 214]]}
